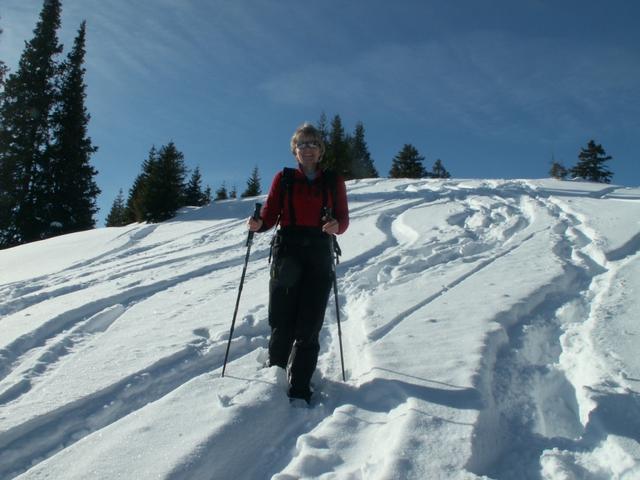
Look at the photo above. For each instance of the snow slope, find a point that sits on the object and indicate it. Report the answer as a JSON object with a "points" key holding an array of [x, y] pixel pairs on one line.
{"points": [[490, 330]]}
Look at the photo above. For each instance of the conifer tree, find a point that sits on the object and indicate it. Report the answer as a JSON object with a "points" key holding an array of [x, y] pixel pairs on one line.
{"points": [[165, 185], [194, 195], [3, 69], [72, 190], [328, 159], [26, 105], [591, 164], [253, 185], [439, 171], [118, 214], [234, 192], [407, 164], [557, 170], [133, 206], [136, 205], [361, 162], [322, 128], [221, 193], [336, 157]]}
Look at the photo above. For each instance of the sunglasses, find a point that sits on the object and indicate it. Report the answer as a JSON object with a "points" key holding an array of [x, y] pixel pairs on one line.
{"points": [[303, 145]]}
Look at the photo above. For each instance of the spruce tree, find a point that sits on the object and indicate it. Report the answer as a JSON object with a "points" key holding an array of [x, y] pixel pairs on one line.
{"points": [[165, 185], [5, 197], [591, 164], [361, 162], [3, 68], [253, 185], [206, 198], [72, 187], [407, 164], [26, 106], [439, 171], [234, 192], [337, 156], [194, 196], [322, 128], [221, 193], [118, 214], [558, 171], [136, 206]]}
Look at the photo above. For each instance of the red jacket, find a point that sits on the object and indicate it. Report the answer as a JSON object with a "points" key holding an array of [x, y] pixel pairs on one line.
{"points": [[307, 202]]}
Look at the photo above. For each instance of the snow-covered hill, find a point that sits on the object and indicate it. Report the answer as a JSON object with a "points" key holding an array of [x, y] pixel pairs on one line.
{"points": [[490, 328]]}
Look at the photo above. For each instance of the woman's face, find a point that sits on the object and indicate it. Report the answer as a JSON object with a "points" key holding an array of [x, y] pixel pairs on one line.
{"points": [[308, 153]]}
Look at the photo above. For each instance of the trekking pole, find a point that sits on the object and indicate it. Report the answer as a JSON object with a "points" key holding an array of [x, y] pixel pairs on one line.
{"points": [[334, 259], [256, 215]]}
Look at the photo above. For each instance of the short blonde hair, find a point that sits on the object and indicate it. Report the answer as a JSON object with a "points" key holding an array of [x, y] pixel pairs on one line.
{"points": [[307, 130]]}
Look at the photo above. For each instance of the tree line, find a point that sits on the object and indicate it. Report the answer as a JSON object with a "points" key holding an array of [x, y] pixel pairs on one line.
{"points": [[159, 190], [47, 183], [254, 188], [591, 165], [348, 154]]}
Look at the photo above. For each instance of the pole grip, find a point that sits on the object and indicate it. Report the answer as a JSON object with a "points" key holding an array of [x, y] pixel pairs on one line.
{"points": [[255, 216], [256, 211]]}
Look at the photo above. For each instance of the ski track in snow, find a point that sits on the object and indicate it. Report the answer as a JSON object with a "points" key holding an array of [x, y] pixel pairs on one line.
{"points": [[518, 408]]}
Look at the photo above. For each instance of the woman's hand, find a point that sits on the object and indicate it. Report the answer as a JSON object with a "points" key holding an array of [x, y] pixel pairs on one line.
{"points": [[331, 227], [253, 225]]}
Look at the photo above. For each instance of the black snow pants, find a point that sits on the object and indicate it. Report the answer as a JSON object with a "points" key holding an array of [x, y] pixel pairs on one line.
{"points": [[301, 280]]}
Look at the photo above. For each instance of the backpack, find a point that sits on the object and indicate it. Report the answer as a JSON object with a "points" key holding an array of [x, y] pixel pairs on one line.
{"points": [[329, 185]]}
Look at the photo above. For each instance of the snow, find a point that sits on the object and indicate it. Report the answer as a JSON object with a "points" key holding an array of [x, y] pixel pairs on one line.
{"points": [[490, 330]]}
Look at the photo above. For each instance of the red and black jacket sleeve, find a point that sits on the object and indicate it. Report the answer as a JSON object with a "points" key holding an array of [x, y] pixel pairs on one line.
{"points": [[272, 205]]}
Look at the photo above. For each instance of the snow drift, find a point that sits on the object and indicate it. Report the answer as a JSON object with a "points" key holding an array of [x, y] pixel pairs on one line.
{"points": [[490, 328]]}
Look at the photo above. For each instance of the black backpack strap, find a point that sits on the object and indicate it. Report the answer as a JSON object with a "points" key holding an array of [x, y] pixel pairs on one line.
{"points": [[329, 183], [286, 187]]}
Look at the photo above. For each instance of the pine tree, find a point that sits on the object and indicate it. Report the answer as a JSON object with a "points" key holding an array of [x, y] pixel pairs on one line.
{"points": [[234, 192], [5, 197], [194, 196], [25, 115], [591, 164], [118, 214], [322, 128], [165, 185], [407, 164], [439, 171], [72, 190], [337, 157], [253, 185], [361, 162], [3, 68], [221, 193], [136, 206], [557, 170]]}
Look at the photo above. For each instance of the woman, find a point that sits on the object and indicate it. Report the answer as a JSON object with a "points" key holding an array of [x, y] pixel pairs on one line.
{"points": [[311, 206]]}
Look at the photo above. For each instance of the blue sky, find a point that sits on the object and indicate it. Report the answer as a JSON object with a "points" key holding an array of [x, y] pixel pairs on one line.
{"points": [[494, 88]]}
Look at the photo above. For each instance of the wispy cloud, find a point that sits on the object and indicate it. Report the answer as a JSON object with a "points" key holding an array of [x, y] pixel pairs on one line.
{"points": [[491, 83], [197, 62]]}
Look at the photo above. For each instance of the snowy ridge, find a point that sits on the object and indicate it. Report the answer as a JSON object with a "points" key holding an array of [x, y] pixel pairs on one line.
{"points": [[489, 327]]}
